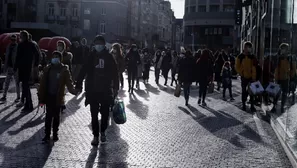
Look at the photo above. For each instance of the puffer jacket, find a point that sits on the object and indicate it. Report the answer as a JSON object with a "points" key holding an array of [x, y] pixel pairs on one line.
{"points": [[246, 66], [285, 69], [65, 80]]}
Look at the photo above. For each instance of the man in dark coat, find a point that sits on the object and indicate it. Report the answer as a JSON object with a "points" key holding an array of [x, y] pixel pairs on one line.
{"points": [[27, 56], [102, 85], [133, 60]]}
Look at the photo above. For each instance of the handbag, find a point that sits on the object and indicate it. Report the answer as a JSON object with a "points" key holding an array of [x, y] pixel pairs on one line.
{"points": [[256, 88], [273, 89], [119, 114], [211, 88], [177, 91]]}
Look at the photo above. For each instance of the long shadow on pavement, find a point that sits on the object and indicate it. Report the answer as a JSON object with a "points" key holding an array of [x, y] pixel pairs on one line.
{"points": [[220, 123], [152, 89], [137, 107]]}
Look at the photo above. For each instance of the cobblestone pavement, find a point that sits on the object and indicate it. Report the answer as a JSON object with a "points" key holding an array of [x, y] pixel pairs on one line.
{"points": [[160, 132]]}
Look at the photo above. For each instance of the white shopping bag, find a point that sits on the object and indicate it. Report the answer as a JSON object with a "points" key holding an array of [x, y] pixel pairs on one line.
{"points": [[256, 88], [273, 89]]}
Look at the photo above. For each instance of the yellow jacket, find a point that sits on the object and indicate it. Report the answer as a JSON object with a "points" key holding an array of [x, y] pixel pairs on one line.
{"points": [[285, 70], [245, 66]]}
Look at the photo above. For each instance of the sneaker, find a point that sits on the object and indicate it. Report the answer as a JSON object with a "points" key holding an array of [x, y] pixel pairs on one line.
{"points": [[95, 141], [27, 109], [224, 98], [103, 137], [204, 104], [17, 100], [187, 102], [20, 104], [3, 98], [199, 101], [55, 138], [46, 139], [232, 99]]}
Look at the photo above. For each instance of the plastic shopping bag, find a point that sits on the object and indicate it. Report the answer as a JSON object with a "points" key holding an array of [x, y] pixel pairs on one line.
{"points": [[177, 91], [119, 114], [273, 89], [256, 88]]}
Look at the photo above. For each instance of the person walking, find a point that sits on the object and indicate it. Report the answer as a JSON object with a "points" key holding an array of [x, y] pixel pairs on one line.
{"points": [[140, 68], [133, 60], [51, 93], [284, 72], [174, 65], [157, 61], [185, 74], [85, 50], [27, 55], [77, 59], [147, 61], [67, 57], [205, 74], [10, 59], [219, 63], [101, 85], [166, 65], [245, 67], [227, 80], [117, 53]]}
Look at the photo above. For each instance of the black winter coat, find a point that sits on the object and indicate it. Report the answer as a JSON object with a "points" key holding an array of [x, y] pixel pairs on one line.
{"points": [[186, 70], [133, 59], [166, 62], [102, 79], [28, 54]]}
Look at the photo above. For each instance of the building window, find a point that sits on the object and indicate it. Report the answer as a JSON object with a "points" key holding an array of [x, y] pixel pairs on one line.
{"points": [[74, 11], [214, 8], [51, 10], [206, 31], [87, 11], [192, 9], [63, 11], [228, 8], [215, 31], [220, 31], [87, 24], [202, 8], [103, 11], [210, 31], [102, 27]]}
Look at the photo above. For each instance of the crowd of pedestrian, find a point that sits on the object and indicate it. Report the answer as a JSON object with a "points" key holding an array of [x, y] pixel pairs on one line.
{"points": [[102, 70]]}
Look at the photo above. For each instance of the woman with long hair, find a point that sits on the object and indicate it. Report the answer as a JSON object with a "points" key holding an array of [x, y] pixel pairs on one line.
{"points": [[205, 72], [219, 63], [117, 53]]}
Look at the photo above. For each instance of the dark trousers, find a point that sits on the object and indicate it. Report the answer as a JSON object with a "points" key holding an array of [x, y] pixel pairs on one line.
{"points": [[244, 93], [186, 87], [104, 111], [132, 73], [165, 74], [173, 73], [230, 91], [121, 79], [52, 116], [202, 89], [284, 85], [146, 72], [157, 74], [27, 94]]}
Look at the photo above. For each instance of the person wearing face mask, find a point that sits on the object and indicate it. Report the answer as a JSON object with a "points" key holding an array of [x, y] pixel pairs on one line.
{"points": [[246, 68], [27, 55], [66, 56], [101, 86], [285, 71], [133, 60], [51, 93], [147, 61], [117, 53], [9, 64]]}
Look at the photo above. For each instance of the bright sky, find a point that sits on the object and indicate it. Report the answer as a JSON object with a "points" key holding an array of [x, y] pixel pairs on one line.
{"points": [[178, 7]]}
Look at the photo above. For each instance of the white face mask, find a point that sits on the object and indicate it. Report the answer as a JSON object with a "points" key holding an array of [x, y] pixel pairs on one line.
{"points": [[99, 48], [113, 51]]}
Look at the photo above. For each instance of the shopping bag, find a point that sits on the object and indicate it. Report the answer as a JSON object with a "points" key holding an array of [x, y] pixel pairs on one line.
{"points": [[119, 114], [256, 88], [273, 89], [177, 90]]}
